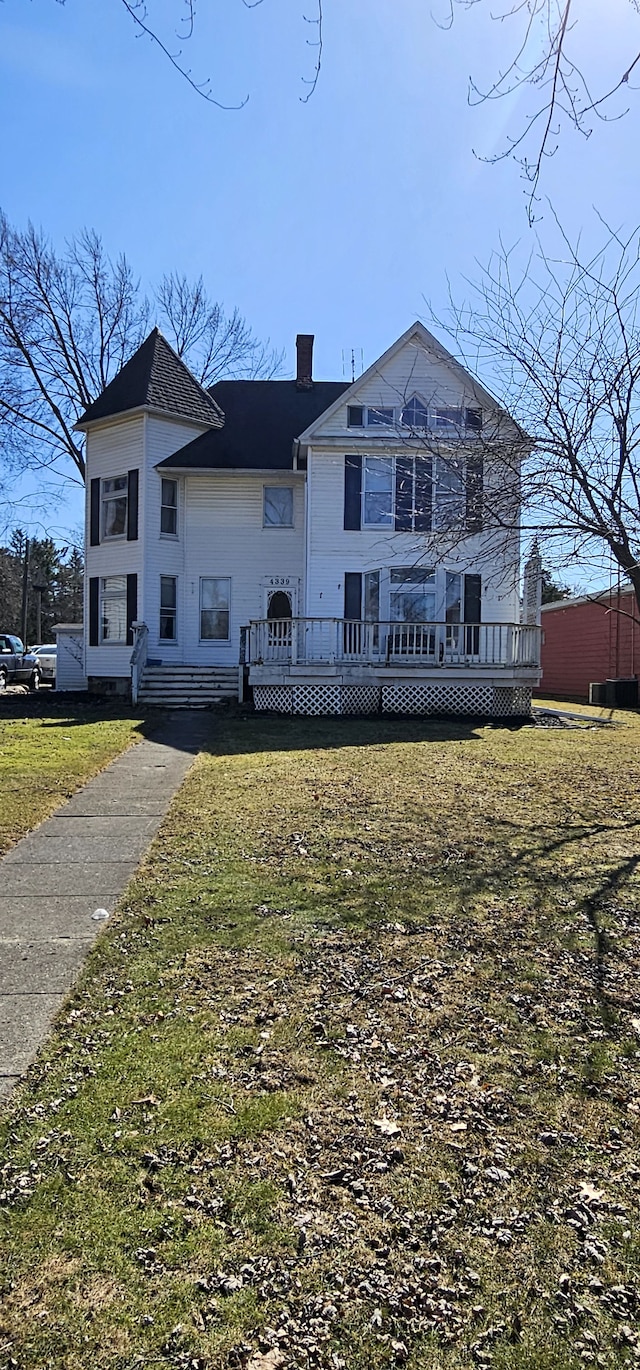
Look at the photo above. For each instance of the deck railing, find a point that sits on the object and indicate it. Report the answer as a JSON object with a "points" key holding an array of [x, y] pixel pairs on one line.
{"points": [[309, 641]]}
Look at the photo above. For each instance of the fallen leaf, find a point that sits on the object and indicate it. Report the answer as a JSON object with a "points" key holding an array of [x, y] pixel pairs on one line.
{"points": [[387, 1126]]}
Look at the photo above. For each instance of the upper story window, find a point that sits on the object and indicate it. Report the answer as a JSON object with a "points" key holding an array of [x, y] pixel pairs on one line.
{"points": [[416, 413], [413, 493], [358, 416], [380, 417], [278, 506], [114, 498], [169, 507], [377, 491]]}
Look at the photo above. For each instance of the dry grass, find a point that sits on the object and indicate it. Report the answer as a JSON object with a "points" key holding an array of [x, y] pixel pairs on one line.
{"points": [[352, 1078]]}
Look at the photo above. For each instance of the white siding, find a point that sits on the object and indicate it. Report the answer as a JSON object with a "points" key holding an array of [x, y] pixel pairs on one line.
{"points": [[224, 536], [113, 450], [164, 555], [412, 371], [333, 550], [69, 665]]}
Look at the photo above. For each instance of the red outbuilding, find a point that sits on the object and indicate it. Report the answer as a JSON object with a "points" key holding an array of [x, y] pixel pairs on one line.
{"points": [[595, 638]]}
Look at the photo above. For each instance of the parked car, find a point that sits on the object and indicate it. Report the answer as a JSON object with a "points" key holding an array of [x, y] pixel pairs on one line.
{"points": [[17, 667], [47, 658]]}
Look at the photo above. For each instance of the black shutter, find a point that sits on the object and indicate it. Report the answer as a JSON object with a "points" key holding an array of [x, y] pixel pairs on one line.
{"points": [[94, 611], [132, 606], [472, 612], [132, 507], [424, 495], [404, 494], [94, 513], [352, 491], [353, 595], [475, 476]]}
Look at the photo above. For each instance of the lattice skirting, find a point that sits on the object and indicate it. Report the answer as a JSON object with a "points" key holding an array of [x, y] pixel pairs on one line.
{"points": [[361, 699], [484, 701], [278, 698], [480, 700]]}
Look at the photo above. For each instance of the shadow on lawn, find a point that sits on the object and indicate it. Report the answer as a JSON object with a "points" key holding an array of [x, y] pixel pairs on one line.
{"points": [[237, 734]]}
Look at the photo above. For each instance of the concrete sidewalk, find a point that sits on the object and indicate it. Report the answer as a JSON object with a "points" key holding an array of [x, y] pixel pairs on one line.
{"points": [[80, 860]]}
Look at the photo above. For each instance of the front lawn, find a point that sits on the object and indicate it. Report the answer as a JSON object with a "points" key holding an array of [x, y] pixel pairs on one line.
{"points": [[351, 1080], [48, 748]]}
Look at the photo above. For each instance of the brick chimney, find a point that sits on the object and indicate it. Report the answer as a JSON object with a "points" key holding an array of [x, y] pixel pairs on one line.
{"points": [[304, 364]]}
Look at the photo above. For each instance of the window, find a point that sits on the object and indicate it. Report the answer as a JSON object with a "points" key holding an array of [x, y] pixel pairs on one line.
{"points": [[449, 504], [380, 418], [168, 606], [415, 414], [355, 416], [169, 507], [113, 608], [412, 594], [377, 491], [278, 506], [114, 507], [215, 594], [453, 597], [456, 422]]}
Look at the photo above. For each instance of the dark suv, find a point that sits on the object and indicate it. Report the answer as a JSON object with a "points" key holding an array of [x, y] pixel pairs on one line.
{"points": [[17, 667]]}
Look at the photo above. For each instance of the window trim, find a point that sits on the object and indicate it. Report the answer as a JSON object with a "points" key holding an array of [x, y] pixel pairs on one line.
{"points": [[280, 526], [207, 641], [174, 507], [110, 497], [352, 409], [168, 640], [111, 641]]}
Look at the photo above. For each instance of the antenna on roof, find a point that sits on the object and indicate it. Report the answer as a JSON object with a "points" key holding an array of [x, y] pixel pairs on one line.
{"points": [[356, 360]]}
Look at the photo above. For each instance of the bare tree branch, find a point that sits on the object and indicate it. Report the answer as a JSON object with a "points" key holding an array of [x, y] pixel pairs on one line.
{"points": [[561, 337], [543, 61]]}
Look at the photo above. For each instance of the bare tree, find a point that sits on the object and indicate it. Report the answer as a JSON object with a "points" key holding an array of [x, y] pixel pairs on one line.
{"points": [[68, 322], [214, 343], [561, 339], [545, 59]]}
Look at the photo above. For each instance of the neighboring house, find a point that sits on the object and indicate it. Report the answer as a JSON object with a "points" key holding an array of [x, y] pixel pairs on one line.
{"points": [[589, 640], [336, 539]]}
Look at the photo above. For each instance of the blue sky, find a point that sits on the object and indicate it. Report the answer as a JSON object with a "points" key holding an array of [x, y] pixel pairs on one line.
{"points": [[336, 217]]}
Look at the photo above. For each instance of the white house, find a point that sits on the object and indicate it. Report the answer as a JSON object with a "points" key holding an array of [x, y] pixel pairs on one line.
{"points": [[347, 544]]}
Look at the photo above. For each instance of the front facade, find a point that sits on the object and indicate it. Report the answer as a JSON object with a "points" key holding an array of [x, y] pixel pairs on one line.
{"points": [[338, 541]]}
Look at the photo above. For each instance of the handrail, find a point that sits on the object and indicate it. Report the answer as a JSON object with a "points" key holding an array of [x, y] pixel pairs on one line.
{"points": [[336, 640], [138, 658]]}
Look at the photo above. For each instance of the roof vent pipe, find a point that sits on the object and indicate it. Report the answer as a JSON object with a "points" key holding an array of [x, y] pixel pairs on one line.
{"points": [[304, 361]]}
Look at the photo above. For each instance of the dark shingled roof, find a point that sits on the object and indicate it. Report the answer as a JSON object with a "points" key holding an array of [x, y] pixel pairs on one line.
{"points": [[261, 421], [154, 377]]}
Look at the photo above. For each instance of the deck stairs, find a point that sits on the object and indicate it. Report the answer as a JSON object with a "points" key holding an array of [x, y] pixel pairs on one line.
{"points": [[187, 687]]}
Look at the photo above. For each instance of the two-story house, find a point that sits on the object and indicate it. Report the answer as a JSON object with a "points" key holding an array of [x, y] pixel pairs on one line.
{"points": [[351, 547]]}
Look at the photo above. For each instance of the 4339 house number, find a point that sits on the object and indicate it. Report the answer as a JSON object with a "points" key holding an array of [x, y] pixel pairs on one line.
{"points": [[280, 580]]}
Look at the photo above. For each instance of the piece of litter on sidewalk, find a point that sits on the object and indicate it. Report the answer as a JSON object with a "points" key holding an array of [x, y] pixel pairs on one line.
{"points": [[100, 915]]}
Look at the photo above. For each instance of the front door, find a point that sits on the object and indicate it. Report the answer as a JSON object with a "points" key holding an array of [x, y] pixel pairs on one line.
{"points": [[280, 611]]}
